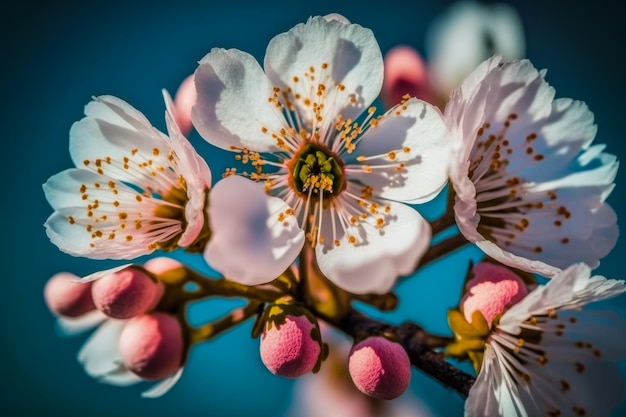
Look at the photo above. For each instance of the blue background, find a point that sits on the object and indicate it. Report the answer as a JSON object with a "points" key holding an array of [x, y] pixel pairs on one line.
{"points": [[57, 56]]}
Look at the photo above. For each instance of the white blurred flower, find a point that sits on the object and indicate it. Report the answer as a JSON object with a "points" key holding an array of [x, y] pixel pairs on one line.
{"points": [[468, 33], [546, 357], [343, 171], [530, 186]]}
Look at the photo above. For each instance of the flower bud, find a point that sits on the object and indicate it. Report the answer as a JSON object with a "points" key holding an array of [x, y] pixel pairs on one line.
{"points": [[288, 348], [492, 290], [66, 297], [184, 99], [405, 73], [151, 345], [161, 264], [380, 368], [126, 293]]}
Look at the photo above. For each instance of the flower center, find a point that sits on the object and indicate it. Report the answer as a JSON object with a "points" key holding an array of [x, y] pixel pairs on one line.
{"points": [[316, 172]]}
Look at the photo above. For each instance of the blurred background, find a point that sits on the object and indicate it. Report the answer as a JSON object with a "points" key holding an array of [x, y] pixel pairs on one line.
{"points": [[57, 55]]}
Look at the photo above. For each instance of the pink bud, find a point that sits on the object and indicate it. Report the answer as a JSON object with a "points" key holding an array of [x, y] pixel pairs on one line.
{"points": [[66, 297], [184, 100], [151, 345], [380, 368], [405, 73], [126, 293], [289, 350], [492, 291], [161, 264]]}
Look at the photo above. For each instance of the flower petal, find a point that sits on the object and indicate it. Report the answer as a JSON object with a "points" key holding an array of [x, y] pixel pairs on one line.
{"points": [[412, 134], [250, 243], [374, 263], [101, 358], [73, 326], [101, 218], [570, 289], [525, 174], [163, 386], [350, 56], [232, 103], [120, 142], [494, 394], [196, 173]]}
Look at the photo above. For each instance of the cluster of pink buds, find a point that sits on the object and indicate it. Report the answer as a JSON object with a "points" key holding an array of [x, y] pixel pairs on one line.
{"points": [[151, 343]]}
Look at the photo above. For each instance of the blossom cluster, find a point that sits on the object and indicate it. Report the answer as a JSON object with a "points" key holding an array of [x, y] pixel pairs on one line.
{"points": [[322, 208]]}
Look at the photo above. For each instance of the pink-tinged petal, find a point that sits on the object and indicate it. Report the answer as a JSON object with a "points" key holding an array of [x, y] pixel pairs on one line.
{"points": [[350, 57], [405, 73], [405, 157], [247, 224], [196, 173], [380, 255], [232, 104]]}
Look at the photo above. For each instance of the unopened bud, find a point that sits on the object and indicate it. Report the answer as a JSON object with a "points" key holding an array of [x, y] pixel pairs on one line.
{"points": [[380, 368], [151, 345], [492, 290], [184, 99], [126, 293], [405, 73], [66, 297], [288, 348]]}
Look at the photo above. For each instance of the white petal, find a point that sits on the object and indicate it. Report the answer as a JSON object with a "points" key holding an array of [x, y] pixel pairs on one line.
{"points": [[101, 358], [73, 326], [494, 393], [163, 386], [338, 17], [350, 52], [419, 138], [572, 288], [110, 135], [118, 112], [232, 104], [248, 242], [101, 274], [374, 264], [548, 177], [515, 261]]}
